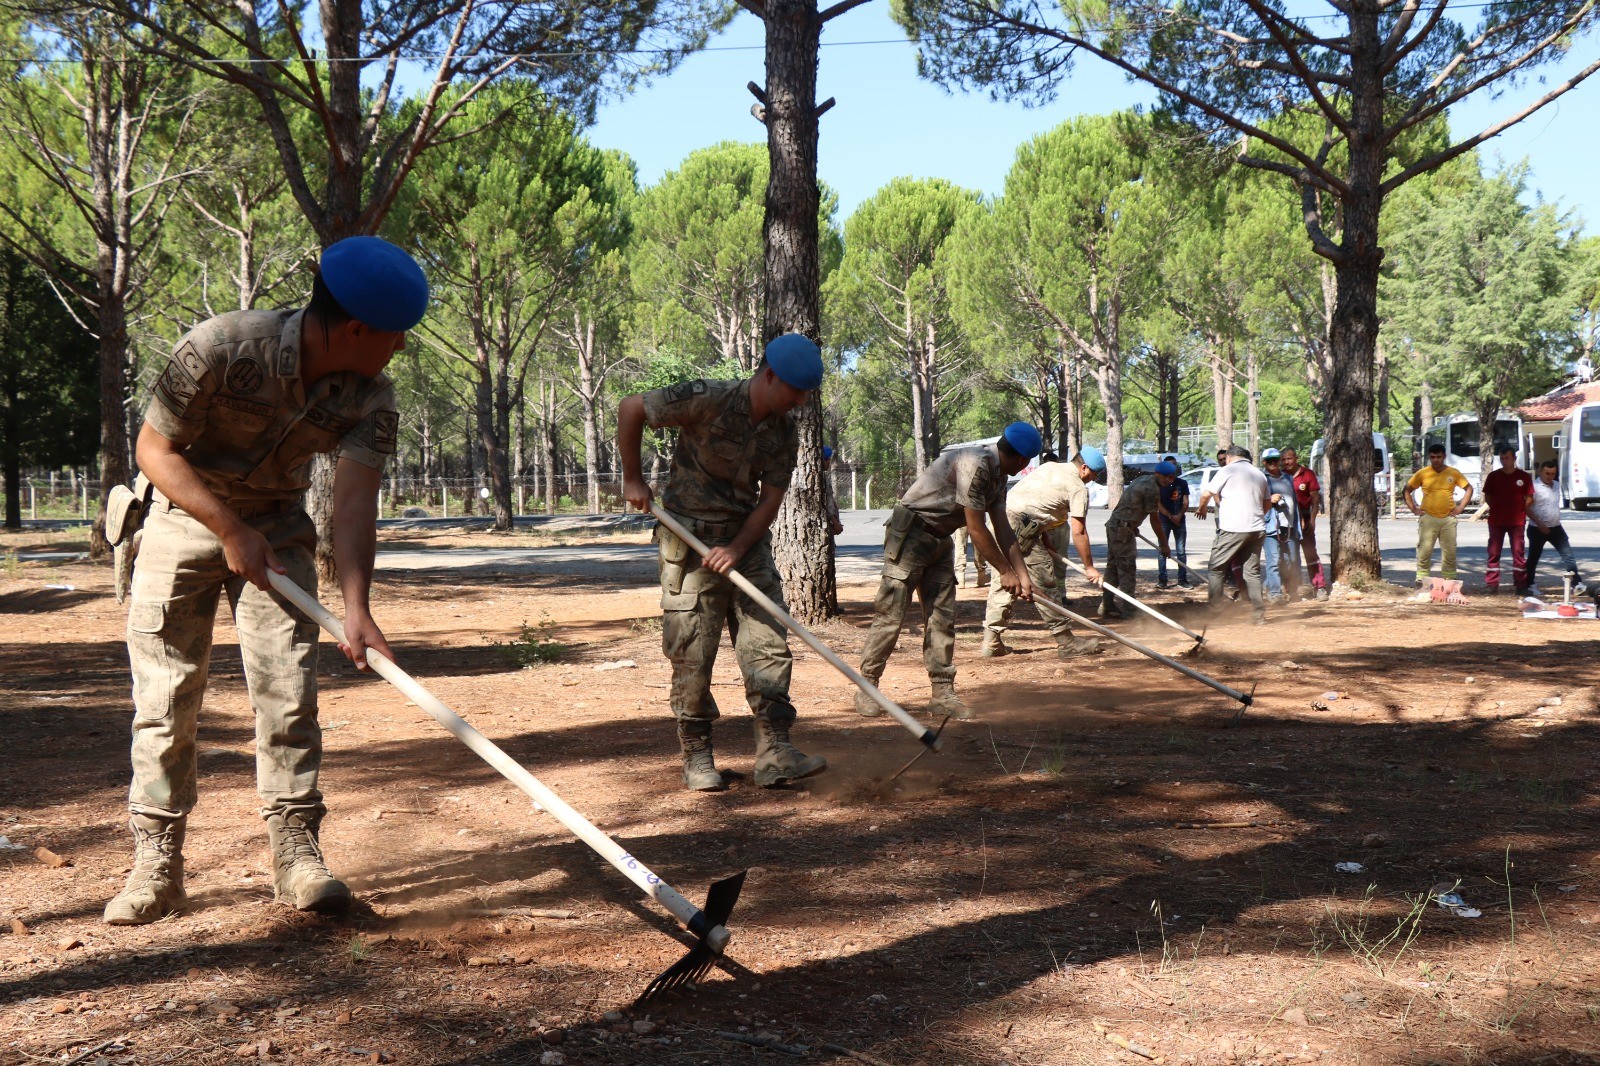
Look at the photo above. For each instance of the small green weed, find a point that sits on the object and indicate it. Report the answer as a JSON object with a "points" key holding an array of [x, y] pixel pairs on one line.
{"points": [[536, 646], [646, 626], [1357, 933], [12, 565]]}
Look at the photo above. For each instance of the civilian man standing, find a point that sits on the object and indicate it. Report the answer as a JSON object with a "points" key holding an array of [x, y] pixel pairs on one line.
{"points": [[1507, 489], [1544, 527], [1436, 518], [1242, 500], [1308, 497]]}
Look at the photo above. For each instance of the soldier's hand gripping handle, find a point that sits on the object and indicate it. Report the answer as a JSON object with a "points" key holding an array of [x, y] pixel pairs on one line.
{"points": [[636, 491], [250, 556]]}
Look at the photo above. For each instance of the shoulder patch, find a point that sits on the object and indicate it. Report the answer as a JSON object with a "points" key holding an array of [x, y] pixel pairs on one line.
{"points": [[245, 376], [175, 388], [685, 389]]}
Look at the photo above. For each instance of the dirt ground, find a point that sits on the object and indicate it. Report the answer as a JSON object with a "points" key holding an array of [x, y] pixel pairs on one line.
{"points": [[1101, 869]]}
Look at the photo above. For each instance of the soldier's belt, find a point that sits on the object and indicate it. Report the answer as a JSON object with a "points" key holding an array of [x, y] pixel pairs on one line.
{"points": [[705, 529]]}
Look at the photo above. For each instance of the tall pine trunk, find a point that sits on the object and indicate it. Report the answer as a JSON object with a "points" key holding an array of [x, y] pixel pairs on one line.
{"points": [[800, 538]]}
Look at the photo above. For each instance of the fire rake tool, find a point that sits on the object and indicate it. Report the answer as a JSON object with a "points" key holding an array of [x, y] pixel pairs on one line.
{"points": [[1245, 698], [929, 737], [708, 925], [1199, 638]]}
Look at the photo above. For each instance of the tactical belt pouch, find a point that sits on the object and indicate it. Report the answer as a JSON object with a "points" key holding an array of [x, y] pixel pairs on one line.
{"points": [[674, 560], [126, 510], [901, 522]]}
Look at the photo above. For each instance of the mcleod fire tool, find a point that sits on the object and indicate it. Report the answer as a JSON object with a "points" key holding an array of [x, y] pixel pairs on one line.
{"points": [[709, 925]]}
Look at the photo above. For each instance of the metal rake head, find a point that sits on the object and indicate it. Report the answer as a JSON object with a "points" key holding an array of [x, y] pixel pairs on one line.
{"points": [[720, 899]]}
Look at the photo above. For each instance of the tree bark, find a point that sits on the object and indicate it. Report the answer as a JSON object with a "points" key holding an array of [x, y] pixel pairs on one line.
{"points": [[800, 538]]}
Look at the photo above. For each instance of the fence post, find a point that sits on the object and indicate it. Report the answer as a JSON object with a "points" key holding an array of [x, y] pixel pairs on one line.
{"points": [[869, 494], [444, 494], [852, 489], [86, 497], [33, 501]]}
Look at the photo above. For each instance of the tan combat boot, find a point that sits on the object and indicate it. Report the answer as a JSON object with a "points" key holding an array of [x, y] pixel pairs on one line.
{"points": [[700, 773], [945, 701], [300, 877], [866, 706], [778, 761], [1072, 647], [994, 645], [155, 887]]}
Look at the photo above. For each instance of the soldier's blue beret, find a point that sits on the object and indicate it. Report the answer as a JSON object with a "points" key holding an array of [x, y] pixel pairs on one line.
{"points": [[376, 283], [1169, 469], [1024, 439], [827, 452], [796, 359], [1093, 458]]}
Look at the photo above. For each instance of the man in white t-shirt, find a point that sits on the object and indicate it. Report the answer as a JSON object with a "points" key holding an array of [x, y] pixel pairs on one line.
{"points": [[1242, 499]]}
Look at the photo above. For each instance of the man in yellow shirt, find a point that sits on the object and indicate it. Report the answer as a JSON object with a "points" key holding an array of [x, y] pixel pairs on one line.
{"points": [[1436, 520]]}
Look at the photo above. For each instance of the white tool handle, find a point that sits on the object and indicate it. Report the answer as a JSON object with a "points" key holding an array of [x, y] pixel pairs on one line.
{"points": [[1051, 605], [898, 713], [489, 752], [1146, 608]]}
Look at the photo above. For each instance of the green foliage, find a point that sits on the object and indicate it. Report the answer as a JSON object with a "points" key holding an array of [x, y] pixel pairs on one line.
{"points": [[1480, 288], [49, 375], [535, 645]]}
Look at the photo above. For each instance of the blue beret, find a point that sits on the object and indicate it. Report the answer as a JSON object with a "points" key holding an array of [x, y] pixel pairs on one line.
{"points": [[827, 452], [1024, 439], [1170, 469], [1093, 458], [796, 359], [376, 283]]}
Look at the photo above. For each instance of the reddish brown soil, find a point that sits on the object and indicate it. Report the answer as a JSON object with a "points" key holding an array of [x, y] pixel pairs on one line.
{"points": [[1047, 890]]}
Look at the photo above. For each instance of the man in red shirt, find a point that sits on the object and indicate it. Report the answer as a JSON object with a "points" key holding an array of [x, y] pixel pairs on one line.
{"points": [[1507, 490], [1308, 497]]}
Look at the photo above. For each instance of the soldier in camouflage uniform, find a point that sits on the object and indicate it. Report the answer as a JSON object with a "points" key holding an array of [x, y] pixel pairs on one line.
{"points": [[245, 401], [961, 488], [1140, 501], [1042, 508], [735, 454]]}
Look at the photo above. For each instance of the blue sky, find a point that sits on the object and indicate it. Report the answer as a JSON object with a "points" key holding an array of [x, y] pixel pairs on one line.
{"points": [[888, 122]]}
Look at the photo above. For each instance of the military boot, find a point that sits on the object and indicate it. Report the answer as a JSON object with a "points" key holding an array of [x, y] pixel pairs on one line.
{"points": [[1072, 647], [300, 877], [777, 760], [994, 645], [155, 887], [700, 772], [866, 706], [945, 701]]}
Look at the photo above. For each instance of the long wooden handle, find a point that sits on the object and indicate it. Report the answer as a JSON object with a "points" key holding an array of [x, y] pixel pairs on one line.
{"points": [[928, 736], [1146, 608], [1243, 697], [489, 752]]}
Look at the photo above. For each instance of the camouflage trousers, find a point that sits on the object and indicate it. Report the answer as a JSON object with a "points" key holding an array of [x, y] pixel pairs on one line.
{"points": [[926, 568], [1048, 577], [1122, 561], [693, 616], [177, 581]]}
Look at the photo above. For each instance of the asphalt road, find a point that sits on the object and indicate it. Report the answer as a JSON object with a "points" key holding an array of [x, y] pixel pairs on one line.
{"points": [[860, 547]]}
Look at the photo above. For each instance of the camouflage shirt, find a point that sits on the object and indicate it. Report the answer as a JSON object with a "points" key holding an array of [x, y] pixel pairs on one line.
{"points": [[721, 462], [1139, 501], [958, 479], [232, 399]]}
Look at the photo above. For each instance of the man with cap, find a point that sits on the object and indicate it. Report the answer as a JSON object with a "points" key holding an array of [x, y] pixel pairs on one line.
{"points": [[734, 457], [1243, 499], [1175, 520], [1280, 554], [959, 489], [246, 399], [1308, 501], [1052, 498], [1139, 502], [1507, 489]]}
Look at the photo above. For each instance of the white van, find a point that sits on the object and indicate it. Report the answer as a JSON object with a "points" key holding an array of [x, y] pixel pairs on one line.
{"points": [[1382, 464], [1461, 435], [1579, 448]]}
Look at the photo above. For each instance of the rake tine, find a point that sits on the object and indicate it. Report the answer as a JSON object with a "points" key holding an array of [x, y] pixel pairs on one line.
{"points": [[720, 900], [921, 753], [1244, 704]]}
